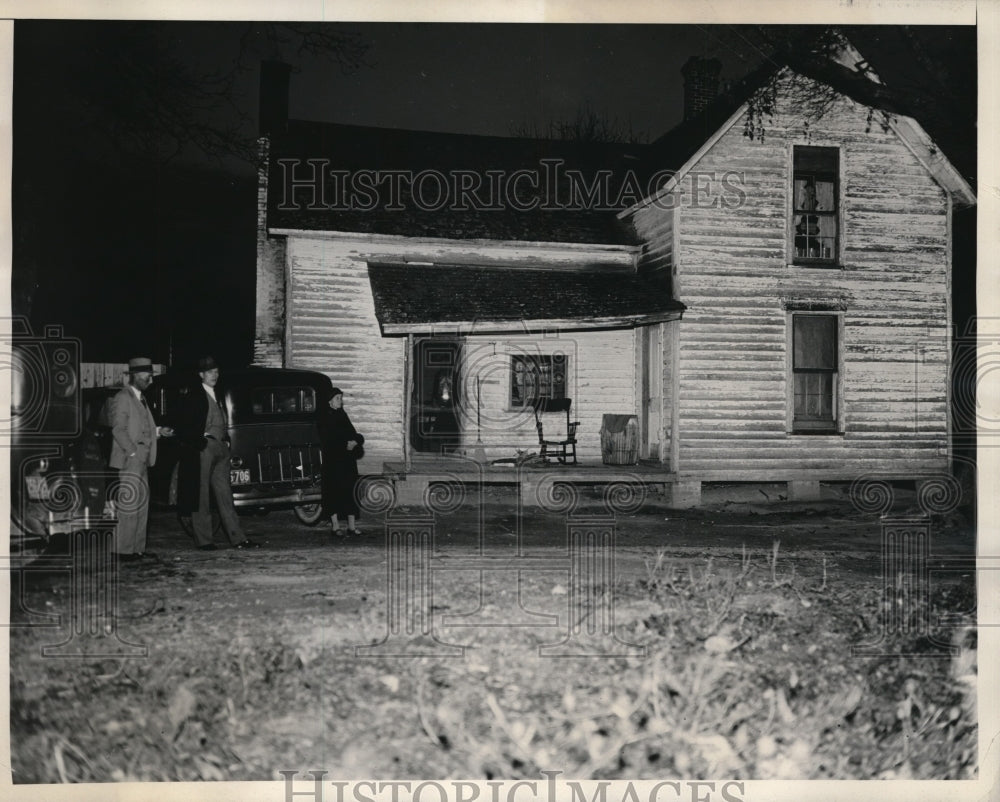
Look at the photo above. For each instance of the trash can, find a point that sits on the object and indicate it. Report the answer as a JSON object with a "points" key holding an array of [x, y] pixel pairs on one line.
{"points": [[620, 439]]}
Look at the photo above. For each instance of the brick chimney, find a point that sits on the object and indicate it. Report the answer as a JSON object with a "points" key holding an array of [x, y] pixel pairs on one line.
{"points": [[274, 76], [701, 84]]}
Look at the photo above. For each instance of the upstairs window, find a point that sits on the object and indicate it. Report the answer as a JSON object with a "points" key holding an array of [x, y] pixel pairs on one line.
{"points": [[815, 205], [815, 358]]}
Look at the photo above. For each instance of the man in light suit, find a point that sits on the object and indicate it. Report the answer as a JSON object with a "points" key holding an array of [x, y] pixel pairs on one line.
{"points": [[133, 451]]}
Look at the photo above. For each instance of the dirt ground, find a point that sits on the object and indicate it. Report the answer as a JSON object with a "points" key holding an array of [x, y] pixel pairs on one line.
{"points": [[711, 642]]}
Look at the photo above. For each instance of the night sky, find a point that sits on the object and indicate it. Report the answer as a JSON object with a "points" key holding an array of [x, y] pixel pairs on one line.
{"points": [[138, 245]]}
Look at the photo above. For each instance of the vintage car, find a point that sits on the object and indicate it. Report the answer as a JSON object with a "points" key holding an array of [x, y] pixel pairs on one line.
{"points": [[58, 468], [276, 456]]}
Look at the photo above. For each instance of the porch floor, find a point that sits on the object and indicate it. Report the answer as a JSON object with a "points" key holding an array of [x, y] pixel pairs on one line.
{"points": [[467, 469]]}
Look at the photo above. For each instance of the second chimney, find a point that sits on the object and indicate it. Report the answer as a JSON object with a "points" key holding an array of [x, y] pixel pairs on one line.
{"points": [[701, 84]]}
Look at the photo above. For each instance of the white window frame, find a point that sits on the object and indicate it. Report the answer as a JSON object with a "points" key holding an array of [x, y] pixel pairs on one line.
{"points": [[838, 386], [837, 262]]}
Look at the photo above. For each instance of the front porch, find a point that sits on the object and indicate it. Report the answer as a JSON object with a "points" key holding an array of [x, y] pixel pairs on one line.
{"points": [[536, 480], [412, 482]]}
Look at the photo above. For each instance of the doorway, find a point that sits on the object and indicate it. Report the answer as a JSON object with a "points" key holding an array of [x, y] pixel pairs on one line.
{"points": [[435, 422], [651, 392]]}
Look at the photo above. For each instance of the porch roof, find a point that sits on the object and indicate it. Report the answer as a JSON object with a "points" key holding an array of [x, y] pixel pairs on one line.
{"points": [[470, 299]]}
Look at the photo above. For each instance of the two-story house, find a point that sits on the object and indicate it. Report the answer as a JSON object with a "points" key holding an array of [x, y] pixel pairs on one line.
{"points": [[769, 307]]}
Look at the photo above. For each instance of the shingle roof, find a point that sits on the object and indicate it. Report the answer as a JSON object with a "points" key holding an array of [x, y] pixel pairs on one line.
{"points": [[556, 216], [411, 297]]}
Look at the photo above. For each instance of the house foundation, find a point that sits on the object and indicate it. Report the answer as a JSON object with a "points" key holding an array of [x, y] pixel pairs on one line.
{"points": [[685, 494], [803, 491]]}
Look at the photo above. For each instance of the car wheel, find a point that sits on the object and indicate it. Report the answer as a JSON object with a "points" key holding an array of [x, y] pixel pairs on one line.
{"points": [[309, 514]]}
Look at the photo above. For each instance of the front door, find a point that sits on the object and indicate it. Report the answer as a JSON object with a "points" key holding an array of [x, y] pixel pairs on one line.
{"points": [[651, 390], [435, 416]]}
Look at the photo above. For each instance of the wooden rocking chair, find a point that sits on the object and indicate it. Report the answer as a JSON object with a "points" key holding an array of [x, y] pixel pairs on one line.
{"points": [[561, 450]]}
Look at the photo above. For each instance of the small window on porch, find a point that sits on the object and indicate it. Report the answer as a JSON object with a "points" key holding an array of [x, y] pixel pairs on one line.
{"points": [[536, 376], [814, 373], [815, 205]]}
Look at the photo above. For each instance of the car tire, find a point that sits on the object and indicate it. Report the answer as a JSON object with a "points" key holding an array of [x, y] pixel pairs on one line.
{"points": [[309, 514]]}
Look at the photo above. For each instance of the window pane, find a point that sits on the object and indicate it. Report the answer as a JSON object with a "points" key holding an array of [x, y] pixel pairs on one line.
{"points": [[261, 402], [803, 195], [813, 159], [814, 397], [824, 196], [534, 377], [282, 400], [286, 400], [815, 236], [815, 200], [814, 342]]}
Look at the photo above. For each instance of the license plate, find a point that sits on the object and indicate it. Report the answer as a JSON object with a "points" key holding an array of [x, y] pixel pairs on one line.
{"points": [[240, 476], [38, 488]]}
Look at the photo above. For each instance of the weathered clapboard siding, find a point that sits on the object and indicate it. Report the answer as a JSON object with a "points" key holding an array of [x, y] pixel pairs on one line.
{"points": [[332, 328], [600, 379], [734, 273], [656, 229], [108, 374], [670, 354]]}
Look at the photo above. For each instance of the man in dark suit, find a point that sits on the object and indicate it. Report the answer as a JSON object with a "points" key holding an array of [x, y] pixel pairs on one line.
{"points": [[203, 427], [133, 452]]}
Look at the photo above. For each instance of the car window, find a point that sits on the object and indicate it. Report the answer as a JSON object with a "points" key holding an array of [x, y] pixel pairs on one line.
{"points": [[283, 400]]}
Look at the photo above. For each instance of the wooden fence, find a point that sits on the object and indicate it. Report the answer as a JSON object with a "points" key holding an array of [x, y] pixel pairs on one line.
{"points": [[108, 374]]}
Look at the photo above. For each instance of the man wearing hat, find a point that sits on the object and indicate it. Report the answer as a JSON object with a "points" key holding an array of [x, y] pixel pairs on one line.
{"points": [[133, 452], [203, 427]]}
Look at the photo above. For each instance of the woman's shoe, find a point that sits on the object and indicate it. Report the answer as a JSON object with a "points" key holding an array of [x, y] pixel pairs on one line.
{"points": [[353, 532]]}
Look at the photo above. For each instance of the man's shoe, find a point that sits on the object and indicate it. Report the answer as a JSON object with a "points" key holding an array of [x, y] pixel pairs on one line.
{"points": [[247, 544], [208, 547], [129, 558]]}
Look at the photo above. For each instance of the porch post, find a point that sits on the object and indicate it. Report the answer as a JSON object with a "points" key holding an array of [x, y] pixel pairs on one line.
{"points": [[407, 395]]}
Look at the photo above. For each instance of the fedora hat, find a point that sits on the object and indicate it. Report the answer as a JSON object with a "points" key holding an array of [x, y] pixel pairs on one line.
{"points": [[141, 364], [206, 363]]}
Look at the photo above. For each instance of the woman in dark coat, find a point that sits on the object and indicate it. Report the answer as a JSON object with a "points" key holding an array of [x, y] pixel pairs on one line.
{"points": [[341, 451]]}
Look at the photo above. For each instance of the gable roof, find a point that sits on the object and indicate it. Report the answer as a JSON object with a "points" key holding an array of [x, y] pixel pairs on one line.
{"points": [[680, 149], [496, 203], [506, 188]]}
